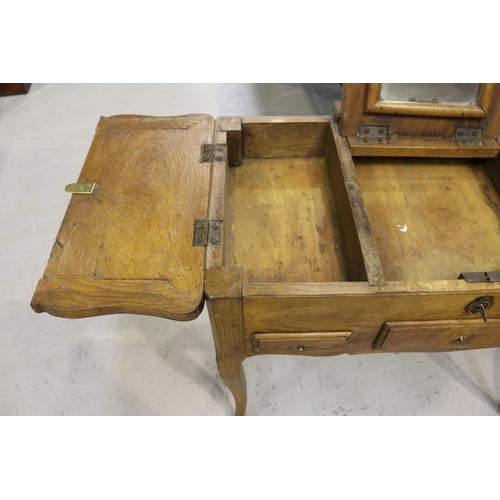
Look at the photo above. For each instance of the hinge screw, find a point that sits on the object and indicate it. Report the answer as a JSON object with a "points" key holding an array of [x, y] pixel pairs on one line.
{"points": [[367, 131], [214, 239], [381, 130], [365, 139], [199, 225], [461, 133], [215, 225]]}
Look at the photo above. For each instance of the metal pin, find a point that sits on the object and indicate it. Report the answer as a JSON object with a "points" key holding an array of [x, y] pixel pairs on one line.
{"points": [[482, 310]]}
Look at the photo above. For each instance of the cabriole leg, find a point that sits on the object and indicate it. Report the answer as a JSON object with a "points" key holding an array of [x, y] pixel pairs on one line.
{"points": [[224, 301]]}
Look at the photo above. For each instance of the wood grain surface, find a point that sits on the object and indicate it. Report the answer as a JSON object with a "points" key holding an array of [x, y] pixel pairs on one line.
{"points": [[139, 226], [421, 336], [428, 148], [284, 137], [360, 250], [223, 288], [358, 307], [432, 220], [280, 221], [301, 344]]}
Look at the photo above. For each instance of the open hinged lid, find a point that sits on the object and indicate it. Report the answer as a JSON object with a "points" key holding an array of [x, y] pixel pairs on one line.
{"points": [[126, 242], [440, 120]]}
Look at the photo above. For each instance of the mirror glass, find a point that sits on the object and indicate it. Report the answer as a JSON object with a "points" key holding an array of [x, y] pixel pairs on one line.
{"points": [[435, 93]]}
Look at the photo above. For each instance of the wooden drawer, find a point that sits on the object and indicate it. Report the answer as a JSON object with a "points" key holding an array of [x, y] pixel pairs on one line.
{"points": [[304, 344], [418, 336]]}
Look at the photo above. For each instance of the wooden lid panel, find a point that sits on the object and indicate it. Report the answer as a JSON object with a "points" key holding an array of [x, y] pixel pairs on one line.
{"points": [[138, 229]]}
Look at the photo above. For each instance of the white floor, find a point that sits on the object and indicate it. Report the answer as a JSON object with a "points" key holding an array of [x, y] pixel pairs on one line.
{"points": [[133, 365]]}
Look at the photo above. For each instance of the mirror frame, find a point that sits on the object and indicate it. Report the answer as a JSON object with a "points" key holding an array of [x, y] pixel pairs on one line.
{"points": [[480, 110]]}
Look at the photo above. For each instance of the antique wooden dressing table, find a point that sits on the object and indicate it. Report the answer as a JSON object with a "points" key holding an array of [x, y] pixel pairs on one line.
{"points": [[377, 230]]}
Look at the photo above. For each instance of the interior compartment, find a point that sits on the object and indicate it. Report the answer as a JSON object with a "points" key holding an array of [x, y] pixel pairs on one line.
{"points": [[432, 219], [281, 224], [281, 217]]}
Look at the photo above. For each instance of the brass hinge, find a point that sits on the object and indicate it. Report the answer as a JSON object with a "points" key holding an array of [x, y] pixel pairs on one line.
{"points": [[373, 134], [83, 188], [207, 232], [213, 152], [469, 136]]}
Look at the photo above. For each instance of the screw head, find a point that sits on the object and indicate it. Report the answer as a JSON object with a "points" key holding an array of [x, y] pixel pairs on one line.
{"points": [[381, 130], [366, 130], [218, 158], [214, 239], [200, 225], [460, 133], [300, 348], [365, 139], [475, 133], [215, 225]]}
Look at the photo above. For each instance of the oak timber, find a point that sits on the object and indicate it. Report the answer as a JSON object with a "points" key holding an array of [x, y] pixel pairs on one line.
{"points": [[432, 219], [362, 259], [358, 307], [408, 336], [301, 344], [139, 227], [223, 287], [284, 137], [280, 221], [428, 148]]}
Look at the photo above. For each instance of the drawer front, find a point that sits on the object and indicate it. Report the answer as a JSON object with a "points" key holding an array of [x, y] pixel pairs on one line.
{"points": [[301, 344], [421, 336]]}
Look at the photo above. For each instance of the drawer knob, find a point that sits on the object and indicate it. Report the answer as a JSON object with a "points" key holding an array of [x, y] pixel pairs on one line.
{"points": [[300, 348], [460, 342], [479, 306]]}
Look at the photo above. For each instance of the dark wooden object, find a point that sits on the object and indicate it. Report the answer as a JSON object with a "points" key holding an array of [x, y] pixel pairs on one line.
{"points": [[314, 250], [7, 89]]}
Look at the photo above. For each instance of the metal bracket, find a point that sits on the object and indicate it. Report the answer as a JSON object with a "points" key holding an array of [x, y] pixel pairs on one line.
{"points": [[469, 136], [83, 188], [213, 152], [373, 134], [491, 277], [207, 232]]}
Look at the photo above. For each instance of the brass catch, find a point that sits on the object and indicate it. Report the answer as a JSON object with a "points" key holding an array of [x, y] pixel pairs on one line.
{"points": [[83, 188]]}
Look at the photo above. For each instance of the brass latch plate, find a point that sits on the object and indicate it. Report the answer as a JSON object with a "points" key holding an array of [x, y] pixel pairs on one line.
{"points": [[207, 232], [83, 188]]}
